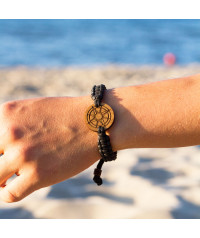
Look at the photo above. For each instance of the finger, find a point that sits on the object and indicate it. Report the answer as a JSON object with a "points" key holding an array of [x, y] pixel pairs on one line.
{"points": [[17, 189], [6, 169], [2, 147], [3, 184]]}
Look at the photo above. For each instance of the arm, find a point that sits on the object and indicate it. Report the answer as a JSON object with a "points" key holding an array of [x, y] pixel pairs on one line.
{"points": [[160, 114], [45, 140]]}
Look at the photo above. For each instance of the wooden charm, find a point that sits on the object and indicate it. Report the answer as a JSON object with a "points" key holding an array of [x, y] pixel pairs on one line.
{"points": [[99, 116]]}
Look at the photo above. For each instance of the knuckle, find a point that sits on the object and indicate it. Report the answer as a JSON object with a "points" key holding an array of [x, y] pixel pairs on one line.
{"points": [[15, 133], [7, 107]]}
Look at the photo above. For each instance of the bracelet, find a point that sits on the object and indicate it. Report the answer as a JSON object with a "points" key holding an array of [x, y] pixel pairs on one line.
{"points": [[100, 117]]}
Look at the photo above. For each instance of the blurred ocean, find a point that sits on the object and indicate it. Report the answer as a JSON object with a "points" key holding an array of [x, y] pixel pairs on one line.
{"points": [[58, 43]]}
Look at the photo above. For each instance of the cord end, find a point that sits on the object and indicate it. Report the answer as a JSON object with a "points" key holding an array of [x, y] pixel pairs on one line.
{"points": [[97, 179]]}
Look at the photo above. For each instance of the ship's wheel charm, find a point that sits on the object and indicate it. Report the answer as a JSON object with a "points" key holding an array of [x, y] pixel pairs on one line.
{"points": [[99, 116]]}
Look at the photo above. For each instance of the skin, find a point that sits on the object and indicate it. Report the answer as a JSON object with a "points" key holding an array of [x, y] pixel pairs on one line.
{"points": [[46, 140]]}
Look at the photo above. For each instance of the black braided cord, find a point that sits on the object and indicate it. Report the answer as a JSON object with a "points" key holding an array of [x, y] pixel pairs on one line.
{"points": [[104, 144], [97, 94]]}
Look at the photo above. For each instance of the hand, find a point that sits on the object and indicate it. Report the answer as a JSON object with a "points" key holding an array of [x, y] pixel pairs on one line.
{"points": [[44, 141]]}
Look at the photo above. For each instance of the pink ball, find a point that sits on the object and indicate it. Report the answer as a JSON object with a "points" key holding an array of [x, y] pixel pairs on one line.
{"points": [[169, 59]]}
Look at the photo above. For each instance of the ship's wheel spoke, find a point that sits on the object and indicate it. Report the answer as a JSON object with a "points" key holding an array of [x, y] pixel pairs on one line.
{"points": [[92, 119], [105, 112], [103, 122]]}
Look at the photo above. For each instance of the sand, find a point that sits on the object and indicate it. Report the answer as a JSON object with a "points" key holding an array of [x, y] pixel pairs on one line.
{"points": [[141, 183]]}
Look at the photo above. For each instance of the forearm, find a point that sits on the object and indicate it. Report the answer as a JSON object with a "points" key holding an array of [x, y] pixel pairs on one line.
{"points": [[160, 114]]}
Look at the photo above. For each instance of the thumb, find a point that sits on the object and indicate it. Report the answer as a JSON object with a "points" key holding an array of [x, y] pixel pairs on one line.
{"points": [[17, 189]]}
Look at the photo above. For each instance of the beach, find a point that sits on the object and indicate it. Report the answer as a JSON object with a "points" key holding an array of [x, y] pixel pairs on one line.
{"points": [[141, 183]]}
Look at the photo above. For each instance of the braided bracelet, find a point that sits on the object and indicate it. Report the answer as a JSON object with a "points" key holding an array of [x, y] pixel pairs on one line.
{"points": [[100, 117]]}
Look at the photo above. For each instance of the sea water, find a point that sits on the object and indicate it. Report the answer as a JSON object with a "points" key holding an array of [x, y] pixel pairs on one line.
{"points": [[59, 43]]}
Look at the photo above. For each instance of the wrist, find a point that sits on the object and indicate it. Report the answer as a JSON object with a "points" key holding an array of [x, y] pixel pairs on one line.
{"points": [[123, 131], [119, 133]]}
